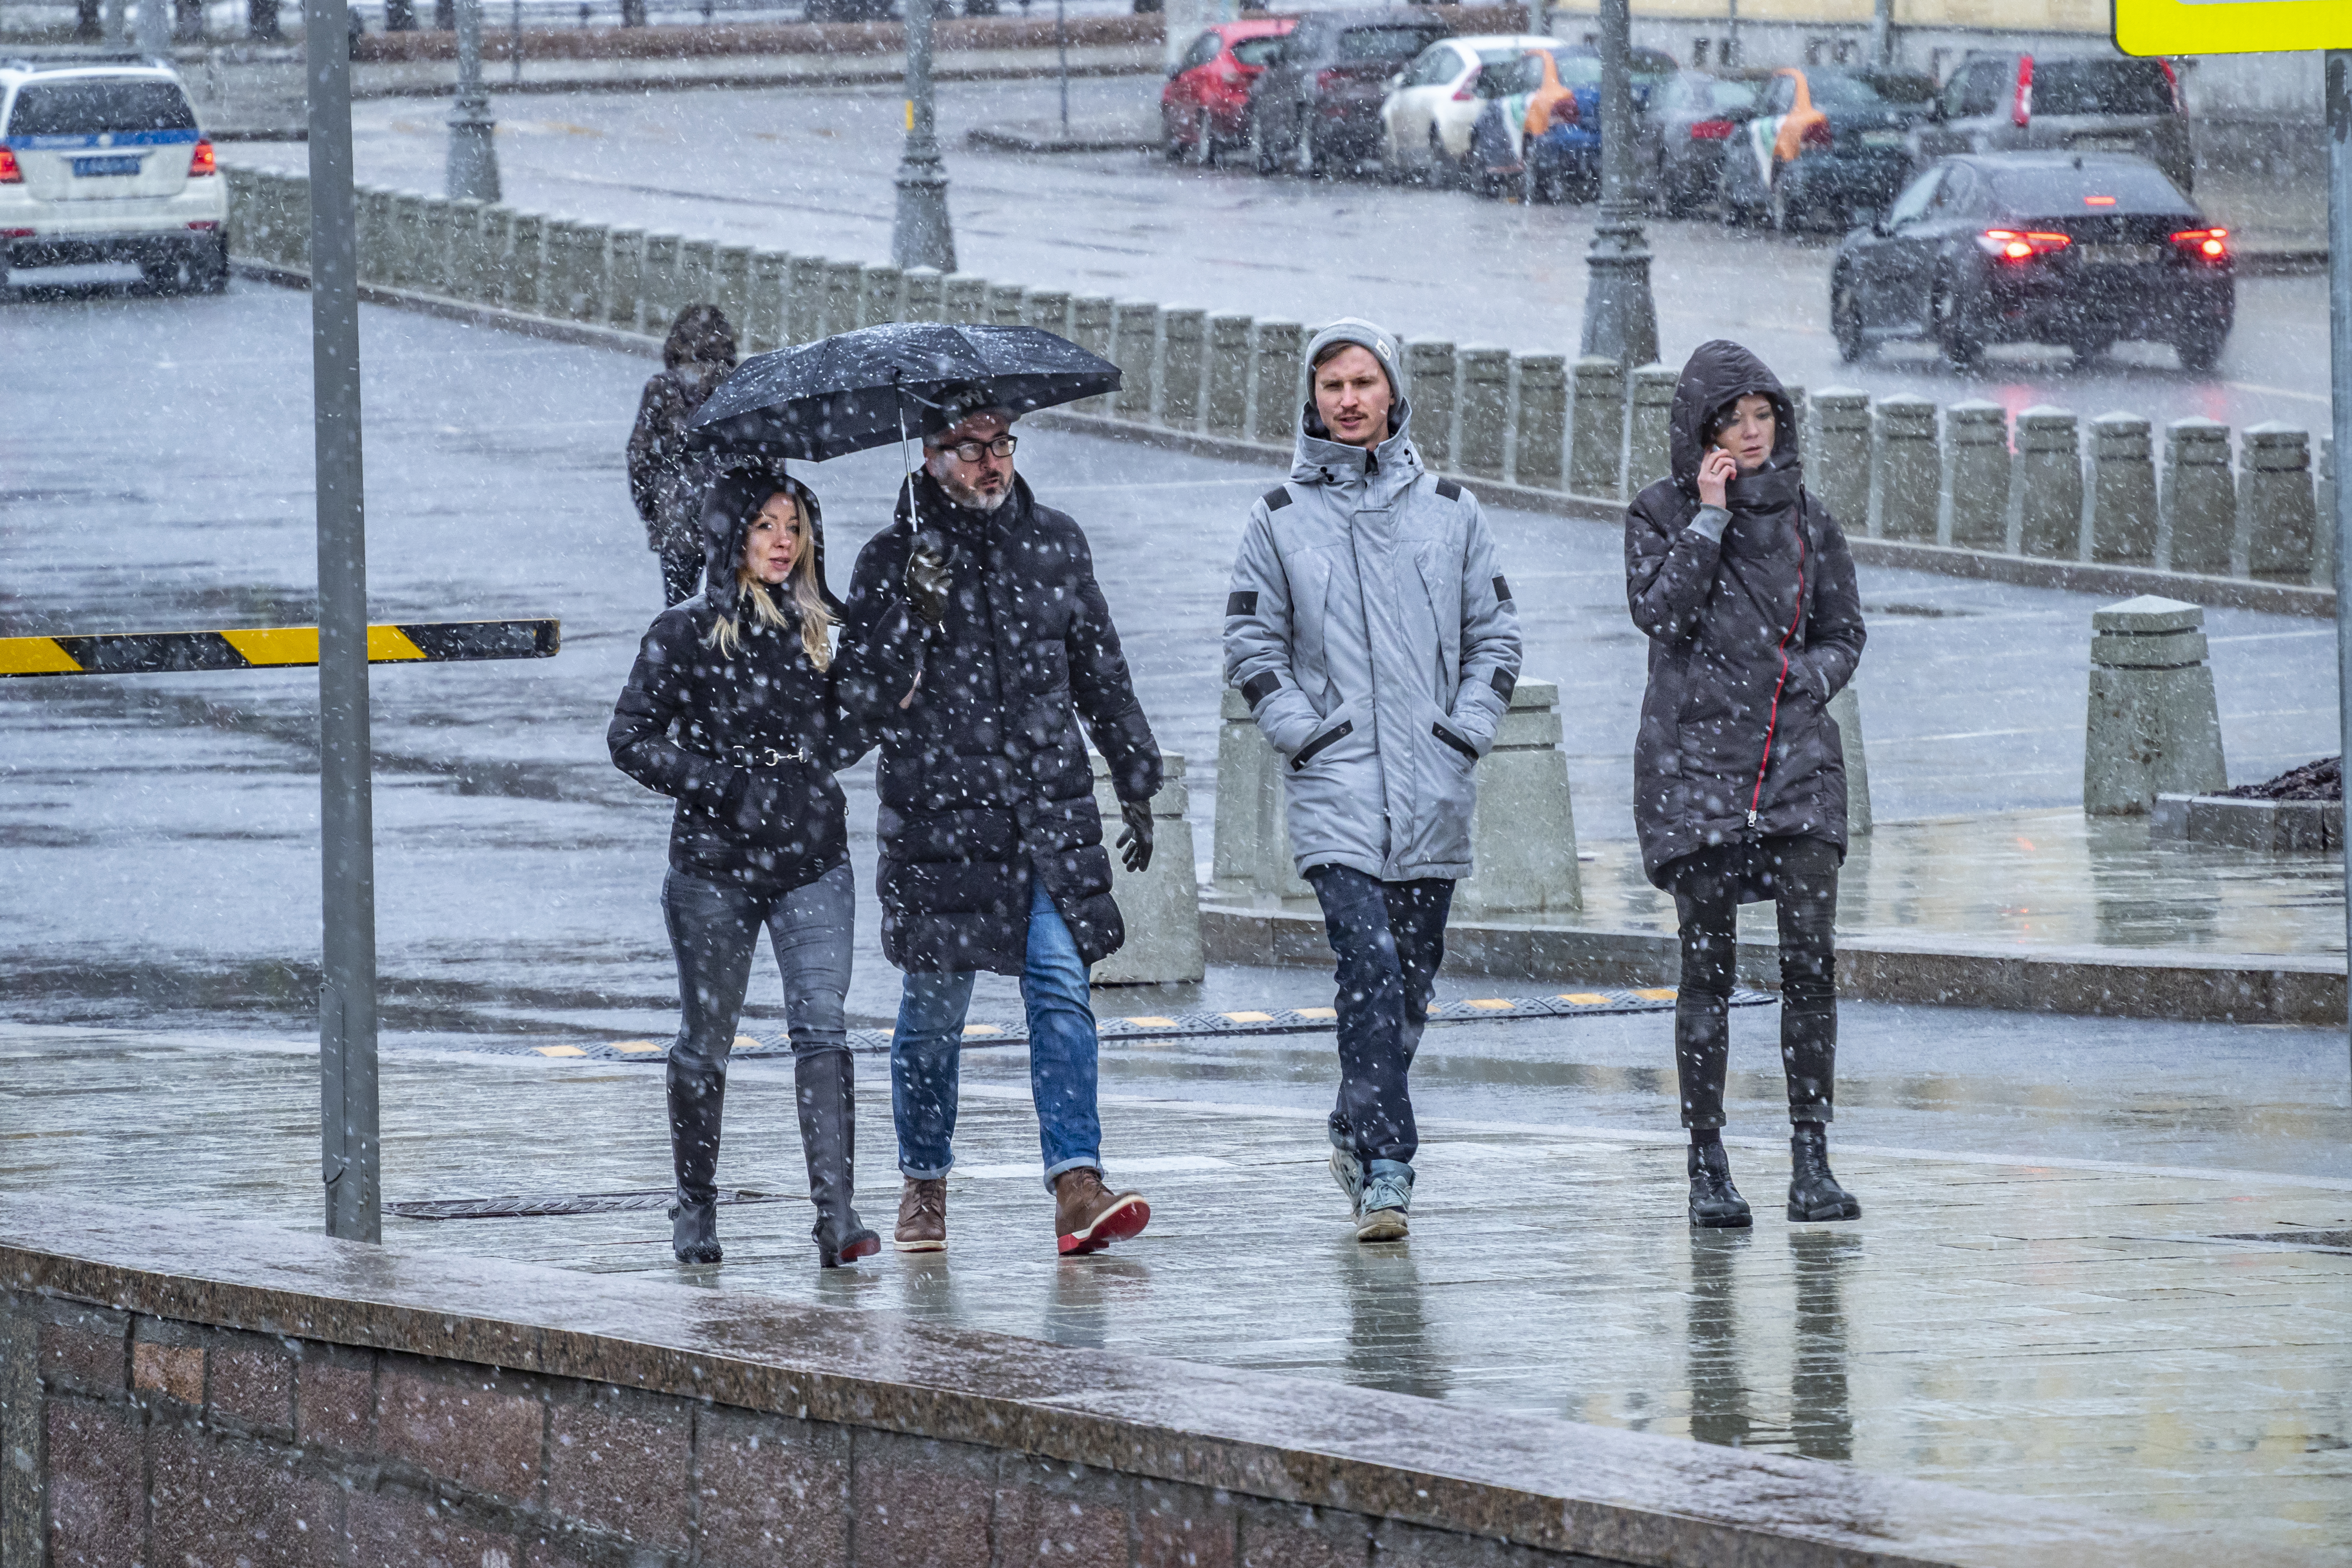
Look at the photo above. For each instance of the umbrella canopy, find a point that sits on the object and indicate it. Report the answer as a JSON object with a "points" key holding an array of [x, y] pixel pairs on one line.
{"points": [[879, 384]]}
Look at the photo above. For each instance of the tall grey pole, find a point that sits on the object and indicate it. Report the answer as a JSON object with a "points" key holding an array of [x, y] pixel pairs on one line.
{"points": [[1061, 53], [1881, 33], [153, 29], [473, 156], [2339, 316], [1621, 319], [922, 235], [349, 1146]]}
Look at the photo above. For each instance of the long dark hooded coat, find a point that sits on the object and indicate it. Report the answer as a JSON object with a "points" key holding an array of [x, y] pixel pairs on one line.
{"points": [[984, 775], [776, 824], [1749, 638]]}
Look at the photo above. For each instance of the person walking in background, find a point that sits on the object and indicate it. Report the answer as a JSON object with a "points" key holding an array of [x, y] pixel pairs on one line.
{"points": [[697, 355], [1743, 583], [1371, 631], [731, 709], [991, 843]]}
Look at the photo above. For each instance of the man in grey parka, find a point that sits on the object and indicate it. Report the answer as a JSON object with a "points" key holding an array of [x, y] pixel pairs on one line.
{"points": [[1374, 638]]}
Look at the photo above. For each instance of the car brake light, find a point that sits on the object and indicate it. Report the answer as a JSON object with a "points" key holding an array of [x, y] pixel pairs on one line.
{"points": [[1467, 91], [202, 163], [1325, 81], [2204, 244], [2016, 245], [10, 174], [1817, 134], [2021, 110], [2172, 80], [2098, 201], [1711, 131]]}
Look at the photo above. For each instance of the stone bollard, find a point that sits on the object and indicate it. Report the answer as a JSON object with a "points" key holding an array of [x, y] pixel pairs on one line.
{"points": [[407, 239], [1229, 374], [592, 264], [2154, 727], [2199, 508], [1090, 329], [526, 259], [764, 314], [1484, 389], [1539, 420], [1004, 304], [697, 273], [731, 286], [2276, 511], [2046, 485], [660, 288], [464, 267], [1160, 905], [373, 224], [1845, 712], [1649, 442], [1135, 349], [804, 300], [926, 294], [559, 270], [964, 297], [497, 246], [1184, 333], [880, 295], [2123, 492], [1905, 479], [433, 276], [1522, 826], [1976, 470], [1429, 371], [1046, 309], [624, 294], [1250, 855], [1801, 416], [845, 297], [1277, 383], [1842, 456], [1596, 439]]}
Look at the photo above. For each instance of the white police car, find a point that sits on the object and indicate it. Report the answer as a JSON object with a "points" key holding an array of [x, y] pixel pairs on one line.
{"points": [[104, 162]]}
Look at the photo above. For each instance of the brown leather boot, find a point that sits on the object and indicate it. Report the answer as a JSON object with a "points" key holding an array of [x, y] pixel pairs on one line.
{"points": [[922, 1216], [1089, 1217]]}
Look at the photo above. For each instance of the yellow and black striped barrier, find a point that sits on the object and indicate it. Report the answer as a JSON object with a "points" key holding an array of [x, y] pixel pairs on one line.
{"points": [[273, 647]]}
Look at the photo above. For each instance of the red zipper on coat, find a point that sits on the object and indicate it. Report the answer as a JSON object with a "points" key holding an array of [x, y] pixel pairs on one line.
{"points": [[1772, 723]]}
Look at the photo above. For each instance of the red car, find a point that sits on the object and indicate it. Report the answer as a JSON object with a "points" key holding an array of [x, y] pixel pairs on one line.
{"points": [[1204, 108]]}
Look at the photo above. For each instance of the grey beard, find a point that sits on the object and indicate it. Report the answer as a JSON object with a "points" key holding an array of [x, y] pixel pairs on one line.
{"points": [[982, 503]]}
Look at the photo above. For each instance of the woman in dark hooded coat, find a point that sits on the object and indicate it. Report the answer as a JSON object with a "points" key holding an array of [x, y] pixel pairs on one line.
{"points": [[732, 710], [698, 354], [1744, 585]]}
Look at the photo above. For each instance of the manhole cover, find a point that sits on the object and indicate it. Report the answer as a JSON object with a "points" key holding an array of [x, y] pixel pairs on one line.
{"points": [[550, 1204], [2310, 1241]]}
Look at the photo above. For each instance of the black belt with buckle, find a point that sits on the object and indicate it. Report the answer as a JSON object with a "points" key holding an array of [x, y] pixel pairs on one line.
{"points": [[765, 756]]}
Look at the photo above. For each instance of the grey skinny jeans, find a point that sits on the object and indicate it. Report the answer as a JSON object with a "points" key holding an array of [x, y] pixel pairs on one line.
{"points": [[714, 929]]}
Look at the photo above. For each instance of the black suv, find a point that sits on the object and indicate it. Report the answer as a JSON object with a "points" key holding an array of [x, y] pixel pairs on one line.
{"points": [[2017, 102], [1318, 102]]}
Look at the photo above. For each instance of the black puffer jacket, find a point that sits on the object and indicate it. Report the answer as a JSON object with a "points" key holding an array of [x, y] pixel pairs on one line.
{"points": [[1749, 638], [745, 742], [985, 774]]}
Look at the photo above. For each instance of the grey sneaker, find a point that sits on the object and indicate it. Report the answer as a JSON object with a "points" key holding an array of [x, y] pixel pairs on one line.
{"points": [[1387, 1194]]}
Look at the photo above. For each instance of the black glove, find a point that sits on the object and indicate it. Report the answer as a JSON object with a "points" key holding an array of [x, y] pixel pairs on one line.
{"points": [[929, 578], [1135, 842]]}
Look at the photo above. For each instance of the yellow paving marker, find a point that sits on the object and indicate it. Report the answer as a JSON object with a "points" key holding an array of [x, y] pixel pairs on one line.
{"points": [[1249, 1018], [559, 1050], [745, 1043], [969, 1029], [35, 656], [1318, 1011], [635, 1046], [1659, 993], [1491, 1002], [1151, 1023], [1582, 998]]}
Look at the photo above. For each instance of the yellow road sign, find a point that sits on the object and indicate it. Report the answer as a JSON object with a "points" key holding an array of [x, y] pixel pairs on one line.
{"points": [[2231, 26]]}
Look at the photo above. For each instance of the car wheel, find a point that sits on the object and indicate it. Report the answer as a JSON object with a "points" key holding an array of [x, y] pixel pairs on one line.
{"points": [[1262, 157], [1954, 334], [2199, 349], [1845, 321], [162, 273], [1441, 167], [1304, 160], [209, 271], [1729, 205], [1202, 152], [1781, 206]]}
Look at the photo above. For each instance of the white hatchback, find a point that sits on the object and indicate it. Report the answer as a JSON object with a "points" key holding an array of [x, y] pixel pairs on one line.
{"points": [[105, 163], [1433, 102]]}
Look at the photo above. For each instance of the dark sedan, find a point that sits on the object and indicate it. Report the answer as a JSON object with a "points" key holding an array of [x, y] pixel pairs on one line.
{"points": [[1693, 117], [2079, 250], [1823, 142], [1317, 103]]}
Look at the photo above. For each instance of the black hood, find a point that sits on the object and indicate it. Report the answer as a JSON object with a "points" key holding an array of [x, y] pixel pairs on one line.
{"points": [[700, 335], [1719, 375], [730, 503]]}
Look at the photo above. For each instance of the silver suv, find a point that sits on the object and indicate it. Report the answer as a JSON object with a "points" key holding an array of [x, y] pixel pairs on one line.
{"points": [[102, 160], [2060, 103]]}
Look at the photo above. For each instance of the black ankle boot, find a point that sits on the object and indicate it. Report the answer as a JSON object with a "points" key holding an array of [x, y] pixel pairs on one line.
{"points": [[1714, 1203], [1813, 1193], [694, 1230]]}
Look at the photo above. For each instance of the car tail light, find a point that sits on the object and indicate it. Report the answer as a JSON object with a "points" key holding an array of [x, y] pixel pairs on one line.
{"points": [[2098, 201], [1711, 131], [1328, 80], [202, 163], [2020, 245], [10, 174], [1468, 89], [1818, 135], [2210, 245], [2172, 80], [2021, 112]]}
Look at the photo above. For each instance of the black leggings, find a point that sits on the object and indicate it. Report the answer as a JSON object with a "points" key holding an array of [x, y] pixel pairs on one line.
{"points": [[1800, 876]]}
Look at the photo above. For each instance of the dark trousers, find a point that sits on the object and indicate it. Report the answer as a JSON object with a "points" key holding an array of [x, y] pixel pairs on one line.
{"points": [[1800, 876], [1389, 938], [681, 572]]}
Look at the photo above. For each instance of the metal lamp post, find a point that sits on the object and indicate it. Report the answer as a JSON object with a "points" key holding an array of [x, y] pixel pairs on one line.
{"points": [[1621, 319], [922, 235], [2339, 312], [473, 156]]}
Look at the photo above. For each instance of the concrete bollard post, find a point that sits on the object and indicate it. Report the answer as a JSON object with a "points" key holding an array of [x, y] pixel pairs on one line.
{"points": [[926, 294], [2046, 486], [1539, 429], [1596, 439], [1523, 825], [730, 285], [407, 239], [1845, 712], [1250, 854], [1277, 383], [433, 275], [1649, 437], [1485, 388], [804, 301], [1090, 329], [2199, 507], [1184, 333], [881, 291], [2276, 511], [764, 314], [559, 267], [372, 218], [964, 297], [1907, 476], [660, 289], [497, 247], [1842, 456], [464, 281], [1976, 474], [584, 272], [1229, 374], [1159, 905], [1004, 304], [625, 292], [1046, 309], [253, 214], [1135, 345], [2154, 727], [697, 273], [1429, 371], [845, 297], [526, 259], [2123, 492], [275, 237]]}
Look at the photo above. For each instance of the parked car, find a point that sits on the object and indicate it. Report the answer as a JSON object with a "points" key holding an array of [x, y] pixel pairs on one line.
{"points": [[1544, 135], [1432, 103], [2076, 103], [106, 162], [1692, 117], [1822, 141], [2075, 249], [1204, 108], [1317, 103]]}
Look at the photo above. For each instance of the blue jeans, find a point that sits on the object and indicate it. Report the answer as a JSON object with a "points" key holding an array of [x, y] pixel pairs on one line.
{"points": [[924, 1060]]}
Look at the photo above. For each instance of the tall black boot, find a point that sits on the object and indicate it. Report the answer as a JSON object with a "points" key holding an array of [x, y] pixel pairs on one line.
{"points": [[1814, 1192], [696, 1097], [824, 1082]]}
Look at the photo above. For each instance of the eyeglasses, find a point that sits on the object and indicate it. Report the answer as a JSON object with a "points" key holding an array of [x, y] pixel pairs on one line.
{"points": [[970, 451]]}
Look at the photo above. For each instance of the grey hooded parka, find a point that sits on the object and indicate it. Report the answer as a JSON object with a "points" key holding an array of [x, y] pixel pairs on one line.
{"points": [[1374, 637]]}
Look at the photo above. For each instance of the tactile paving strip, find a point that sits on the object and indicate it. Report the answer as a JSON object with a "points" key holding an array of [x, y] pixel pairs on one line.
{"points": [[1147, 1027], [547, 1204]]}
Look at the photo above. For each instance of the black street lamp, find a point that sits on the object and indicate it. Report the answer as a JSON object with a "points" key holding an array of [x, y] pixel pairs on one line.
{"points": [[922, 235], [473, 157], [1621, 319]]}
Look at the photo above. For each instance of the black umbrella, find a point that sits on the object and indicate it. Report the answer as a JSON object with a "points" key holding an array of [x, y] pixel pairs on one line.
{"points": [[879, 384]]}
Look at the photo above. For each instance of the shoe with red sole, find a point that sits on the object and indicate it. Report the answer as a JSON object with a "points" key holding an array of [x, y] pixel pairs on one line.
{"points": [[1089, 1217]]}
